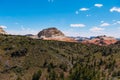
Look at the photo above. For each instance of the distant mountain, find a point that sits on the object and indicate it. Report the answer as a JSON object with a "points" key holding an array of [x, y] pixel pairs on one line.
{"points": [[118, 38], [54, 34], [29, 35], [100, 40], [78, 38]]}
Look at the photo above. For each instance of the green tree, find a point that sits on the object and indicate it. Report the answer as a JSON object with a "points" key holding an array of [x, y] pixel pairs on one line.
{"points": [[37, 75]]}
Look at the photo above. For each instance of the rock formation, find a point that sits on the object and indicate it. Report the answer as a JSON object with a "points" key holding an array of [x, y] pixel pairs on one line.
{"points": [[54, 34], [2, 31], [101, 40], [118, 42], [50, 32]]}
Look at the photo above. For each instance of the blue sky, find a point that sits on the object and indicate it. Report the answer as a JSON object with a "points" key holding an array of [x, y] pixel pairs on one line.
{"points": [[73, 17]]}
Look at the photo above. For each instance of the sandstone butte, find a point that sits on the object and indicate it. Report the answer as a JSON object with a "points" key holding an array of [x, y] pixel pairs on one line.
{"points": [[54, 34]]}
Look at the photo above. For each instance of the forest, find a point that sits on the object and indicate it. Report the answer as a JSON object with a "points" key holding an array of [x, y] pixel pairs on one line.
{"points": [[23, 58]]}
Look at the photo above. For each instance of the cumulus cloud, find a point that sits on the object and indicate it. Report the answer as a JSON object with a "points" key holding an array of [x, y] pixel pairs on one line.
{"points": [[105, 24], [96, 29], [115, 9], [2, 26], [84, 9], [77, 25], [98, 5]]}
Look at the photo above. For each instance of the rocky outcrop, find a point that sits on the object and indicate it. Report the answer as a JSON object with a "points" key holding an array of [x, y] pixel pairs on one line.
{"points": [[66, 39], [54, 34], [2, 31], [118, 42], [101, 40], [50, 32]]}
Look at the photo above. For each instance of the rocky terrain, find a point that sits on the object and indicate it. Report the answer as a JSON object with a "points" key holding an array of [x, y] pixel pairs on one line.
{"points": [[50, 32], [118, 42], [2, 31], [54, 34], [101, 40]]}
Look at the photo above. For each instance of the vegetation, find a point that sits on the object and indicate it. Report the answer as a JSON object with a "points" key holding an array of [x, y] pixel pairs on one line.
{"points": [[37, 75], [23, 58]]}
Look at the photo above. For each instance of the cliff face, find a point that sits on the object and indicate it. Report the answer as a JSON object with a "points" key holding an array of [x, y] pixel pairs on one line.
{"points": [[54, 34], [101, 40]]}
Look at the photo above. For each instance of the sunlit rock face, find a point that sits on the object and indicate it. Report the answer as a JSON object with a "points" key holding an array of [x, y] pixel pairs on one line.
{"points": [[54, 34], [50, 32], [2, 31], [101, 40]]}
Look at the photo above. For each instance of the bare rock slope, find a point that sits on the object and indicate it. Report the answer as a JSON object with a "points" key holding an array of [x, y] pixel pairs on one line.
{"points": [[101, 40], [2, 31], [54, 34]]}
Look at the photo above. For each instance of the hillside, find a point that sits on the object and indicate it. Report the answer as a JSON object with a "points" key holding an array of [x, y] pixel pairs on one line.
{"points": [[23, 58]]}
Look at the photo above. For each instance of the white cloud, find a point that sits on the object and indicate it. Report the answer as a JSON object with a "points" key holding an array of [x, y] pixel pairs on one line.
{"points": [[115, 9], [84, 9], [105, 24], [98, 5], [76, 12], [77, 25], [2, 26], [96, 29]]}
